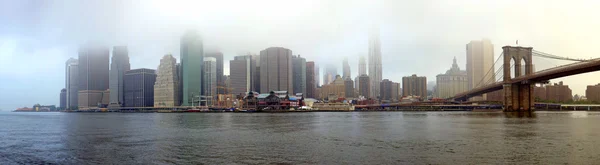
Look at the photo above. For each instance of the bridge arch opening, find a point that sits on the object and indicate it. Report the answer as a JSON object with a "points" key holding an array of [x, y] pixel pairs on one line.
{"points": [[513, 67], [523, 67]]}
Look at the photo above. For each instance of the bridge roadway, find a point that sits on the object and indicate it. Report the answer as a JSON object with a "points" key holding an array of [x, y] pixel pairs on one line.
{"points": [[541, 76]]}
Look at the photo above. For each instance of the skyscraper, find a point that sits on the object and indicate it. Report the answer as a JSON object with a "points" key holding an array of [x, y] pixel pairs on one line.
{"points": [[241, 74], [346, 69], [219, 73], [63, 99], [166, 87], [349, 88], [317, 76], [414, 86], [365, 86], [386, 89], [119, 65], [71, 79], [299, 74], [362, 66], [375, 68], [276, 70], [138, 89], [93, 75], [311, 84], [210, 79], [480, 59], [192, 61]]}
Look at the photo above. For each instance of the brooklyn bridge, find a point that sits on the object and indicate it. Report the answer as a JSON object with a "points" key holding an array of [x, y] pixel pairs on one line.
{"points": [[516, 77]]}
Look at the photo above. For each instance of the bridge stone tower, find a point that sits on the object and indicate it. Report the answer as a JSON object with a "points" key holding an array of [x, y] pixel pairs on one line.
{"points": [[518, 95]]}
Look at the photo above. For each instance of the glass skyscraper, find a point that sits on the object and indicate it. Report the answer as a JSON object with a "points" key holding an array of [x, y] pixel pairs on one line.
{"points": [[192, 64]]}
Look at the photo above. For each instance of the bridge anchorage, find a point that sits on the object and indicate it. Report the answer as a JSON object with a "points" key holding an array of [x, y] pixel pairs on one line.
{"points": [[517, 90]]}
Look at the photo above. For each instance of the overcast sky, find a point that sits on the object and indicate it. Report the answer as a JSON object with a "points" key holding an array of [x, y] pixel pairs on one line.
{"points": [[418, 37]]}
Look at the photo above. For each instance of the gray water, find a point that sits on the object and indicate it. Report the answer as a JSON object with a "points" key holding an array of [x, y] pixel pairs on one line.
{"points": [[300, 138]]}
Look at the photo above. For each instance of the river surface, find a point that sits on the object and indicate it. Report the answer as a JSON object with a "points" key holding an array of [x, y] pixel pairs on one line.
{"points": [[300, 138]]}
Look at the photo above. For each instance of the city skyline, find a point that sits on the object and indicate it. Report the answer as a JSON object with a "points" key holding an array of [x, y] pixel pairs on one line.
{"points": [[50, 53]]}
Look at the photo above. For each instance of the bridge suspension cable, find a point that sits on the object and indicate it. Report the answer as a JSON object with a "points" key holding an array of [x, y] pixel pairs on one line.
{"points": [[489, 71], [551, 56]]}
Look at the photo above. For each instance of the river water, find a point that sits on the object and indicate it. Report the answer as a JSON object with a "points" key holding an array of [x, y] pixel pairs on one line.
{"points": [[300, 138]]}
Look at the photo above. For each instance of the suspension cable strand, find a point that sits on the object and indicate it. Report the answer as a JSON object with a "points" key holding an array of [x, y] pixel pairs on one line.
{"points": [[488, 72], [491, 80], [547, 55]]}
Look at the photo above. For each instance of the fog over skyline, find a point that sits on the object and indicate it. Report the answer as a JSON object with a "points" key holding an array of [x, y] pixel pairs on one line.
{"points": [[417, 37]]}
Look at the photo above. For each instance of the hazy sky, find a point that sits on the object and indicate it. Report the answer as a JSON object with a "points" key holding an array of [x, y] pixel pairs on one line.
{"points": [[418, 37]]}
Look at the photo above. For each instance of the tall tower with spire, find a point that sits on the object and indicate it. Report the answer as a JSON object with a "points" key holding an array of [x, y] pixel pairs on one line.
{"points": [[375, 68]]}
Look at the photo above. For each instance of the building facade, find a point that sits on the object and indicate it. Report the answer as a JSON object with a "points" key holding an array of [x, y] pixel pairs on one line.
{"points": [[349, 86], [192, 60], [93, 75], [63, 99], [210, 79], [365, 86], [558, 93], [345, 69], [593, 93], [311, 84], [299, 74], [396, 94], [385, 90], [414, 86], [220, 83], [454, 81], [242, 72], [480, 59], [118, 66], [71, 79], [276, 70], [334, 90], [166, 86], [375, 67], [139, 88]]}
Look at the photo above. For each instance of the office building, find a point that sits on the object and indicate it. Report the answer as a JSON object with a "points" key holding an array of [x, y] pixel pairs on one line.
{"points": [[375, 67], [138, 89], [166, 86], [63, 99], [593, 93], [256, 73], [396, 94], [241, 70], [118, 66], [349, 88], [334, 90], [220, 83], [317, 76], [414, 86], [385, 90], [346, 69], [311, 84], [210, 79], [71, 79], [192, 60], [454, 81], [276, 70], [365, 86], [92, 75], [480, 59], [299, 74]]}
